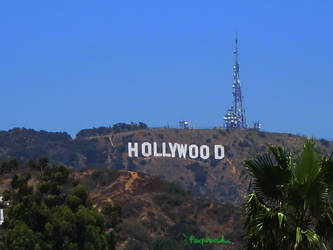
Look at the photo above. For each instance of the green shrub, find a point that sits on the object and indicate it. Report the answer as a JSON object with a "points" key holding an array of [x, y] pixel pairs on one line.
{"points": [[100, 177], [171, 200], [261, 134], [172, 188], [143, 162], [135, 230], [243, 144], [214, 162], [223, 214], [187, 227], [131, 165], [135, 245], [164, 243], [199, 172], [227, 152], [128, 210], [223, 133], [112, 214]]}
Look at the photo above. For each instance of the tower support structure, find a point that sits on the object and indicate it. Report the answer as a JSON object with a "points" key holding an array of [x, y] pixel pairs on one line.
{"points": [[235, 117]]}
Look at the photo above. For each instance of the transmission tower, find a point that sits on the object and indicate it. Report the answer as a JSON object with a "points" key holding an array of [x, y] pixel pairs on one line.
{"points": [[235, 117]]}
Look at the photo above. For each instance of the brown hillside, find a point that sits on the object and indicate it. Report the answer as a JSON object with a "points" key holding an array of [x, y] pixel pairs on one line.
{"points": [[153, 208], [159, 209], [210, 179]]}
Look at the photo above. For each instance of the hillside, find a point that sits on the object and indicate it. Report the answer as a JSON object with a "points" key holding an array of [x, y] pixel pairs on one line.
{"points": [[210, 179], [154, 210]]}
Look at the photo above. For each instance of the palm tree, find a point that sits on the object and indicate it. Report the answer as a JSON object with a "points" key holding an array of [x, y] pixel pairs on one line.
{"points": [[288, 205]]}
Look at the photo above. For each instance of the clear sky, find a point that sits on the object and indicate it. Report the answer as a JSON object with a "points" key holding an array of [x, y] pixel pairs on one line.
{"points": [[67, 65]]}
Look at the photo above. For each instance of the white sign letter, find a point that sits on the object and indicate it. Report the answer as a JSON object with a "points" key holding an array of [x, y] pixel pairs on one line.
{"points": [[164, 153], [132, 149], [194, 154], [173, 149], [182, 149], [155, 151], [146, 149], [219, 152], [203, 155]]}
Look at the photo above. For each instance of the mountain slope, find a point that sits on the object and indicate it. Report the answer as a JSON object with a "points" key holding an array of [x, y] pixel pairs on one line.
{"points": [[210, 179], [154, 210]]}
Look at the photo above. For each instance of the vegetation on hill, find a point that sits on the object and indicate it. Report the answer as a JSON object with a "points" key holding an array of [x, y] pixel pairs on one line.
{"points": [[290, 205], [52, 214], [212, 179], [25, 144], [146, 212], [117, 128], [156, 213]]}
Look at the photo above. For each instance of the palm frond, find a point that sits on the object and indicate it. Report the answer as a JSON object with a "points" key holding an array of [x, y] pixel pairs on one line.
{"points": [[289, 205], [327, 169], [282, 158], [268, 179], [309, 164]]}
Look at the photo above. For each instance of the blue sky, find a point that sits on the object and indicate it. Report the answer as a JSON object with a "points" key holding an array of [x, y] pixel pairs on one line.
{"points": [[69, 65]]}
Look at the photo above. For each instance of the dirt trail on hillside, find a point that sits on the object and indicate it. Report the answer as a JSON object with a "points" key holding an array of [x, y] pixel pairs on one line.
{"points": [[233, 167], [110, 139], [129, 183]]}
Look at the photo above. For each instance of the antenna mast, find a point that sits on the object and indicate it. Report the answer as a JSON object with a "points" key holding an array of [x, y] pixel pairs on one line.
{"points": [[235, 117]]}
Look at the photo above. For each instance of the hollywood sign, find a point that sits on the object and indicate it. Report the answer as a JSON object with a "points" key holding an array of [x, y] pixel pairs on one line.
{"points": [[173, 150]]}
